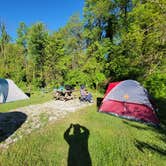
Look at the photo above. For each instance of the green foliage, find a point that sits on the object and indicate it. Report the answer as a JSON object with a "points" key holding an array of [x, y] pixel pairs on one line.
{"points": [[4, 37], [115, 40], [22, 35], [156, 83], [54, 51], [77, 76], [37, 40]]}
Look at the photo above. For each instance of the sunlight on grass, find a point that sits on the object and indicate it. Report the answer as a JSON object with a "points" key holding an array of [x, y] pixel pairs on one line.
{"points": [[112, 141], [36, 98]]}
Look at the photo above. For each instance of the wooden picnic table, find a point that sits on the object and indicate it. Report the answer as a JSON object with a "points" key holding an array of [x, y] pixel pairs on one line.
{"points": [[63, 95]]}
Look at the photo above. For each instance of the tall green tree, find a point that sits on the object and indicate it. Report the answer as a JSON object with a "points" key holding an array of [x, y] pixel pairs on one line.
{"points": [[72, 61], [73, 39], [97, 37], [96, 16], [146, 37], [37, 41], [15, 63], [54, 51], [21, 40], [22, 31], [4, 40]]}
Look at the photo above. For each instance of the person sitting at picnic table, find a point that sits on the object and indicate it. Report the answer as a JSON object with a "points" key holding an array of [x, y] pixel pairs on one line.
{"points": [[68, 92], [63, 92], [85, 95]]}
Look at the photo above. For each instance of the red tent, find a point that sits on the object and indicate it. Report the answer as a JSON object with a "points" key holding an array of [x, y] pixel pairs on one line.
{"points": [[128, 99]]}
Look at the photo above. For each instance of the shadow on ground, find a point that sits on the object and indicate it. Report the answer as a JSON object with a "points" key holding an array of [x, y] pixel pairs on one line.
{"points": [[141, 146], [9, 123], [161, 104], [77, 139]]}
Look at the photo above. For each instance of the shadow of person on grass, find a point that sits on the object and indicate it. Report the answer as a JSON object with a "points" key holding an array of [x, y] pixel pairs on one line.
{"points": [[161, 130], [141, 146], [78, 154], [9, 123]]}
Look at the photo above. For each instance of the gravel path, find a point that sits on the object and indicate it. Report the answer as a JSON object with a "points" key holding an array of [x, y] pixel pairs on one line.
{"points": [[22, 121]]}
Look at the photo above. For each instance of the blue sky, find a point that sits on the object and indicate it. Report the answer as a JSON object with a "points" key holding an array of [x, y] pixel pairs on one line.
{"points": [[53, 13]]}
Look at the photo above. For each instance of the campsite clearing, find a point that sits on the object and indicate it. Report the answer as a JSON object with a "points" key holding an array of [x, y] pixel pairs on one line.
{"points": [[33, 117], [112, 141]]}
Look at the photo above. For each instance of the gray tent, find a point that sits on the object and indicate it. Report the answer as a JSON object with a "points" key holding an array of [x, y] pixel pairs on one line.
{"points": [[10, 92]]}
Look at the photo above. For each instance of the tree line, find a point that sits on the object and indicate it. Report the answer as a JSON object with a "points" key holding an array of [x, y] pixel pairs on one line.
{"points": [[115, 40]]}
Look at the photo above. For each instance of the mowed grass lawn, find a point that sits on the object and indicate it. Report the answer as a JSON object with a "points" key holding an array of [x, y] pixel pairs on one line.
{"points": [[36, 98], [111, 142]]}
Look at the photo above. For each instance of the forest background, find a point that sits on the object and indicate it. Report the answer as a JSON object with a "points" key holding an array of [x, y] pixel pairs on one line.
{"points": [[115, 40]]}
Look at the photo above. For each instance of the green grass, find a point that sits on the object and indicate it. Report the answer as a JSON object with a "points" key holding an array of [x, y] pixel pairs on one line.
{"points": [[35, 98], [112, 142]]}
